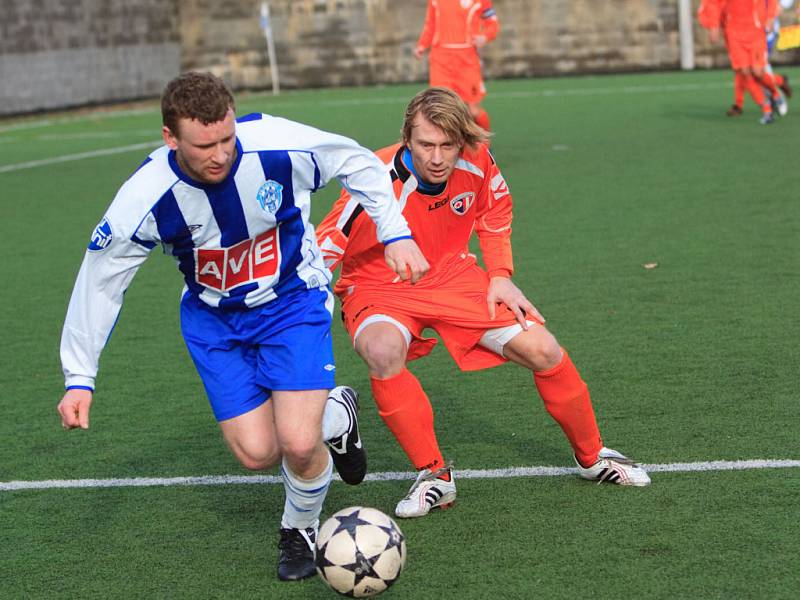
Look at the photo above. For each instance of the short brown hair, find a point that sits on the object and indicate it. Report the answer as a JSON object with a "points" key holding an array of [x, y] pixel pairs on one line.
{"points": [[447, 111], [193, 95]]}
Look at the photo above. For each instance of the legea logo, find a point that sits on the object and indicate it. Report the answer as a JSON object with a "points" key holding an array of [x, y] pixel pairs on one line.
{"points": [[226, 268]]}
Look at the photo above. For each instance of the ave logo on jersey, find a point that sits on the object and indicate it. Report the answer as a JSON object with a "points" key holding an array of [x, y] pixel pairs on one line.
{"points": [[226, 268], [101, 237], [270, 196], [462, 203]]}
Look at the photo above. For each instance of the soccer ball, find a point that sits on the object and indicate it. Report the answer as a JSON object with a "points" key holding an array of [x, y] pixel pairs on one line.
{"points": [[360, 552]]}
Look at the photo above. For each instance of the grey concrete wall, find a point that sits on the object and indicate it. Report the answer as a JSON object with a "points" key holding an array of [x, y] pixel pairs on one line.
{"points": [[56, 53]]}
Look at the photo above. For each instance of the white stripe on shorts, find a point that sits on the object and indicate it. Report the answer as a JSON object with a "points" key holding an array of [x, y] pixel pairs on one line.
{"points": [[496, 339], [383, 319]]}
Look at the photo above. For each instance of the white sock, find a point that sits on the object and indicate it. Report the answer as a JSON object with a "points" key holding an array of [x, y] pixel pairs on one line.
{"points": [[304, 497], [335, 420]]}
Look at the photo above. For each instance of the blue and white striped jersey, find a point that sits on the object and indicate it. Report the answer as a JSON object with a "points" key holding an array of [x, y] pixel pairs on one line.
{"points": [[238, 244]]}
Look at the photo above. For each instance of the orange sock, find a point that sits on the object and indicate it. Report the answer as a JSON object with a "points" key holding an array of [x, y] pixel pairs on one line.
{"points": [[483, 120], [758, 94], [768, 81], [739, 85], [777, 79], [407, 412], [566, 398]]}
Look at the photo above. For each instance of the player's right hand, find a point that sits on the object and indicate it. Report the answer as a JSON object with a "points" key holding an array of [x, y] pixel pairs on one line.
{"points": [[74, 409], [419, 51], [406, 259], [713, 35]]}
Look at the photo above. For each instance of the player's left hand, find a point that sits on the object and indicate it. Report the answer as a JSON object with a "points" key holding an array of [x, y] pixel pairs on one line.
{"points": [[503, 291], [479, 41], [406, 259]]}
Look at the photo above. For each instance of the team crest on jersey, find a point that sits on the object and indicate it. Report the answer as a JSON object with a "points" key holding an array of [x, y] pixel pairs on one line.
{"points": [[461, 203], [465, 4], [270, 196], [101, 237]]}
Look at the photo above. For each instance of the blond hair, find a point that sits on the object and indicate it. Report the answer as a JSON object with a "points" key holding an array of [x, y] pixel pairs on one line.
{"points": [[444, 109], [200, 96]]}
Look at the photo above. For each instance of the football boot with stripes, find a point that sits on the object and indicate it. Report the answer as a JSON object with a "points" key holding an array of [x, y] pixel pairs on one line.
{"points": [[613, 467], [296, 554], [427, 493], [347, 450]]}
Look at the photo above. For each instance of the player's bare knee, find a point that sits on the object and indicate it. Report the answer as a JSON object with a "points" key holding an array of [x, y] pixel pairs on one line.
{"points": [[257, 461], [300, 453], [536, 349], [385, 356]]}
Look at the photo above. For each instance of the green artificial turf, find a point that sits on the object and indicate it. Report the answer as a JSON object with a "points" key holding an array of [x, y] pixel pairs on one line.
{"points": [[693, 360]]}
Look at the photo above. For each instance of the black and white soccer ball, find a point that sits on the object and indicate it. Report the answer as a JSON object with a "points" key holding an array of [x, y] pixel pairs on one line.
{"points": [[360, 552]]}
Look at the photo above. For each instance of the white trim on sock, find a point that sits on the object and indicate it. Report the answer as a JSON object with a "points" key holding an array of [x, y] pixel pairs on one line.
{"points": [[304, 497]]}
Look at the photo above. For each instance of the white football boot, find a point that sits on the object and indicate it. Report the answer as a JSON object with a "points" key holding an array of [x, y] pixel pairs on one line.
{"points": [[779, 104], [427, 492], [613, 467]]}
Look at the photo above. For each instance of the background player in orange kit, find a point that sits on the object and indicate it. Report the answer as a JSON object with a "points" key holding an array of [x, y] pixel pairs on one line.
{"points": [[454, 30], [449, 186], [744, 24]]}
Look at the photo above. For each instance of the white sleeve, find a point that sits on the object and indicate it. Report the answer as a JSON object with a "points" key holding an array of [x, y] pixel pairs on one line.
{"points": [[358, 170], [108, 267]]}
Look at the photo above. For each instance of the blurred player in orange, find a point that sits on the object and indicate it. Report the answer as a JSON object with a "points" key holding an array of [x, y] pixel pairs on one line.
{"points": [[448, 186], [454, 31], [781, 81], [744, 23]]}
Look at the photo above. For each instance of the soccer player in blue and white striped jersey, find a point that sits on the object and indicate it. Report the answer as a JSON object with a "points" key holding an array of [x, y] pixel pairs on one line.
{"points": [[230, 200]]}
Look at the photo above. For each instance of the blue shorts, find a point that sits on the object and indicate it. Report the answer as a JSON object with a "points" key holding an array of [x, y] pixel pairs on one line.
{"points": [[242, 356]]}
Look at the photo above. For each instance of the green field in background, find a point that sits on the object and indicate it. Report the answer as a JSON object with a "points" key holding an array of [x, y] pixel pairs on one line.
{"points": [[693, 360]]}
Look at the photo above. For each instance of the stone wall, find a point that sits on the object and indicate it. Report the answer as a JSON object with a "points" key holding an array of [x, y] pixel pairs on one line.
{"points": [[56, 53], [361, 42]]}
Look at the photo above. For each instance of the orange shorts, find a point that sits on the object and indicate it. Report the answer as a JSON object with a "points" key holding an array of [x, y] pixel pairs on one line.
{"points": [[456, 310], [458, 70], [746, 50]]}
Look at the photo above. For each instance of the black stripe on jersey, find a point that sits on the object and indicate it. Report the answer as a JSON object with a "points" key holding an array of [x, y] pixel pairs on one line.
{"points": [[349, 225], [399, 172], [399, 168]]}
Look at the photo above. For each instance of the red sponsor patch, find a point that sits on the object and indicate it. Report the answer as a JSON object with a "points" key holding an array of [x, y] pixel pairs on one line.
{"points": [[226, 268]]}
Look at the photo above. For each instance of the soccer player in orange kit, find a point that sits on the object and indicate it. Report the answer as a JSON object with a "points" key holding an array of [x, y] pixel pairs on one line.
{"points": [[745, 23], [448, 186], [454, 30]]}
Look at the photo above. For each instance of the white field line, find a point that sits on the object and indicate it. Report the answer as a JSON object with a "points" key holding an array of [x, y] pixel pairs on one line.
{"points": [[717, 465], [79, 156], [548, 93]]}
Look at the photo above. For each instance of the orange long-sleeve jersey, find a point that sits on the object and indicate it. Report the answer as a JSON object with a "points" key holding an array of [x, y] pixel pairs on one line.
{"points": [[455, 23], [737, 16], [476, 198]]}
